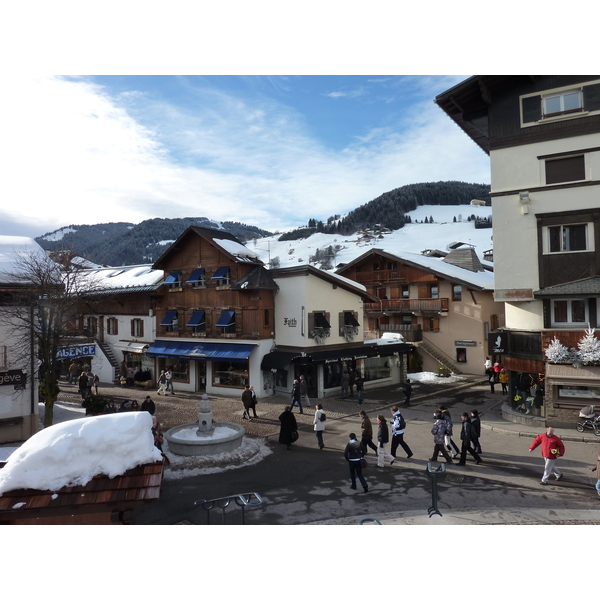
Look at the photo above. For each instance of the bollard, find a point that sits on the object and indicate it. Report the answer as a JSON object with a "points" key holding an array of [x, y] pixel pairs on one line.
{"points": [[434, 473]]}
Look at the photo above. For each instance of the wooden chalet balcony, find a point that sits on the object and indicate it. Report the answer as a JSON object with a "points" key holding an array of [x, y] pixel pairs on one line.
{"points": [[383, 276], [412, 333], [435, 305]]}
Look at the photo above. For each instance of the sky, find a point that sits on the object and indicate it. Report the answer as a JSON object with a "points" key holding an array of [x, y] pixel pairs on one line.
{"points": [[270, 151]]}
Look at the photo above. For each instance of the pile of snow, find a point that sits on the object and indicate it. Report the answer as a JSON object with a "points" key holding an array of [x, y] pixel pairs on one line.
{"points": [[73, 452], [429, 377]]}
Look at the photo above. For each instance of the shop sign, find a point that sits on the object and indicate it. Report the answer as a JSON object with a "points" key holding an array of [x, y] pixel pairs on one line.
{"points": [[290, 322], [465, 343], [77, 351], [16, 377], [498, 343]]}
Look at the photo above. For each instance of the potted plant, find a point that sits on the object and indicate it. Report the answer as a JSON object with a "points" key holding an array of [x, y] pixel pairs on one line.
{"points": [[94, 405]]}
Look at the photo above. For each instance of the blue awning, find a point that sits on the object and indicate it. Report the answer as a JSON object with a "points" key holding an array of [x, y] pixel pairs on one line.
{"points": [[173, 277], [227, 318], [196, 276], [169, 318], [201, 351], [197, 318], [221, 273]]}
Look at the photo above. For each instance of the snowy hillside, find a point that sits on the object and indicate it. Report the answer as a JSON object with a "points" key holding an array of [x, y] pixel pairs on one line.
{"points": [[413, 237]]}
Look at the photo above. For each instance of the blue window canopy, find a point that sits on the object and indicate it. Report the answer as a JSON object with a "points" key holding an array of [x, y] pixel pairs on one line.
{"points": [[173, 277], [227, 318], [169, 318], [196, 277], [197, 318], [221, 273], [201, 351]]}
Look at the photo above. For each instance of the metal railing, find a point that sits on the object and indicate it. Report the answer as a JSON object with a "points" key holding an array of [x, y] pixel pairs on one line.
{"points": [[250, 500]]}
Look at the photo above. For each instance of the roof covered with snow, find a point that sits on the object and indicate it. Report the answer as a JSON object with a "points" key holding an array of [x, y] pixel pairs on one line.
{"points": [[10, 248]]}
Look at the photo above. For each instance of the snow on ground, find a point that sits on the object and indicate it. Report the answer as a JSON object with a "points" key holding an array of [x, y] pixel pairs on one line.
{"points": [[432, 378], [73, 452], [413, 237]]}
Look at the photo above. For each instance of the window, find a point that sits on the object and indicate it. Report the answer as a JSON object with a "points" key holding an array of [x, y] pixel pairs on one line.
{"points": [[434, 291], [198, 321], [171, 321], [569, 312], [230, 374], [461, 355], [457, 293], [392, 264], [318, 326], [137, 328], [91, 325], [405, 292], [559, 170], [227, 321], [112, 326], [197, 279], [173, 280], [563, 103], [222, 276], [567, 238]]}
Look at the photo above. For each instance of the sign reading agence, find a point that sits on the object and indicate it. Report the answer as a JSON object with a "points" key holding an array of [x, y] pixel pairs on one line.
{"points": [[76, 351]]}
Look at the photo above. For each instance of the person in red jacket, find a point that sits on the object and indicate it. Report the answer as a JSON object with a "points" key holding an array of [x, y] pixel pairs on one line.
{"points": [[552, 448]]}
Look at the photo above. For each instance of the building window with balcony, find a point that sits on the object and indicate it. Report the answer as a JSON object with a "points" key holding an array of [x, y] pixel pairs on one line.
{"points": [[171, 322], [197, 279], [319, 328], [137, 328], [173, 280], [222, 276], [349, 325], [405, 292], [226, 322], [91, 325], [457, 293], [567, 238], [566, 313], [112, 326], [434, 291]]}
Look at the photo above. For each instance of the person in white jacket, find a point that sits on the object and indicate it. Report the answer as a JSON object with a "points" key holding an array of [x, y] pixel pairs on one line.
{"points": [[319, 425]]}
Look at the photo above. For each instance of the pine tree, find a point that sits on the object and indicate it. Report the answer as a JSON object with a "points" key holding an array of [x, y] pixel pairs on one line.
{"points": [[556, 352], [589, 348]]}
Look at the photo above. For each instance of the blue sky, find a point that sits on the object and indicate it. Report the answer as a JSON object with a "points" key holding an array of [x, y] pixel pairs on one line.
{"points": [[271, 151]]}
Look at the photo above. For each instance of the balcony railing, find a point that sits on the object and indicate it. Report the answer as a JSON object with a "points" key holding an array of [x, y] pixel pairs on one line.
{"points": [[411, 333], [383, 276], [436, 305]]}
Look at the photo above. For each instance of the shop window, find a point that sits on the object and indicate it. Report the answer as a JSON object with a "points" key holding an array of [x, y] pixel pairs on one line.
{"points": [[571, 168], [197, 279], [179, 369], [457, 293], [379, 367], [112, 326], [137, 328], [173, 280], [568, 238], [569, 312], [461, 355], [230, 374], [171, 321]]}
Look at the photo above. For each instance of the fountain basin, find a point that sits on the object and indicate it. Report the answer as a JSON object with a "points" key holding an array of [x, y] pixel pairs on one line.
{"points": [[225, 437]]}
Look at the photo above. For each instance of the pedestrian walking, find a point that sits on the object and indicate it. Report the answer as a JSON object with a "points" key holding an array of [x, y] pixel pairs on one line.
{"points": [[503, 379], [345, 383], [450, 445], [476, 430], [398, 427], [487, 365], [148, 405], [83, 385], [162, 384], [351, 380], [247, 402], [466, 437], [96, 383], [254, 401], [296, 396], [353, 453], [319, 425], [439, 434], [359, 388], [383, 437], [492, 379], [73, 372], [90, 383], [597, 469], [407, 389], [366, 432], [288, 430], [304, 391], [169, 378], [552, 449]]}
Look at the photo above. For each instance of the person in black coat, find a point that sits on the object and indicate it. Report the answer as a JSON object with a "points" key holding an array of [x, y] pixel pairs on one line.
{"points": [[466, 437], [383, 437], [476, 430], [296, 396], [148, 405], [288, 425]]}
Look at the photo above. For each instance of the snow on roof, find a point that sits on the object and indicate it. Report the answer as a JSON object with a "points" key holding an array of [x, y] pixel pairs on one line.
{"points": [[10, 247], [347, 281], [236, 249], [73, 452], [124, 277]]}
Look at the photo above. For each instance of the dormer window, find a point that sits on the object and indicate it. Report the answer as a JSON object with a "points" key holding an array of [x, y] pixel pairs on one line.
{"points": [[174, 279], [222, 276], [197, 279]]}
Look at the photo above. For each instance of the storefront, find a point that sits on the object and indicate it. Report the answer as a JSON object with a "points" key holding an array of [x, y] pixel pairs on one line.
{"points": [[134, 356]]}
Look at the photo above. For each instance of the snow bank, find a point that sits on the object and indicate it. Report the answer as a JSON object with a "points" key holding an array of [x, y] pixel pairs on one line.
{"points": [[71, 453]]}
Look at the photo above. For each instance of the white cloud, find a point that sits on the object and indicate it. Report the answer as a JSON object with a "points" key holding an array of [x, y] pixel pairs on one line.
{"points": [[72, 154]]}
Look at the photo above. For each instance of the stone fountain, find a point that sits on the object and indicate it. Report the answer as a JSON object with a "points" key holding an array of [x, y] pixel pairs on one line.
{"points": [[205, 437]]}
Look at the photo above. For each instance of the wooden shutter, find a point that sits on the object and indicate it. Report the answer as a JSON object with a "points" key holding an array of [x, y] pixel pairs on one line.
{"points": [[592, 312], [436, 324], [591, 97], [532, 109], [311, 324], [565, 169]]}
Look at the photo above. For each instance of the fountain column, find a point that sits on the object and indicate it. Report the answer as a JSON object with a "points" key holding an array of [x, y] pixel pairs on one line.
{"points": [[205, 418]]}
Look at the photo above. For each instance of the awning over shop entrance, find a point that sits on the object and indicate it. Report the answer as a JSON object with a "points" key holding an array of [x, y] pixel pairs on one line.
{"points": [[282, 359], [200, 350], [567, 375], [136, 347]]}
